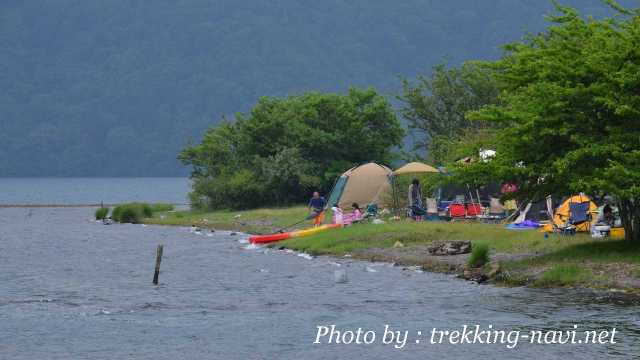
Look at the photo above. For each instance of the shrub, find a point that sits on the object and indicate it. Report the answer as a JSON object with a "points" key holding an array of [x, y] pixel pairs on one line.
{"points": [[132, 212], [147, 211], [479, 255], [102, 213]]}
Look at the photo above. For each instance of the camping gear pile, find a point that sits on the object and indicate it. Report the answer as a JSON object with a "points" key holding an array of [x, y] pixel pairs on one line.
{"points": [[575, 214]]}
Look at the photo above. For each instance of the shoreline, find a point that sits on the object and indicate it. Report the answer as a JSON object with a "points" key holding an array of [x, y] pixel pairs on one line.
{"points": [[517, 258]]}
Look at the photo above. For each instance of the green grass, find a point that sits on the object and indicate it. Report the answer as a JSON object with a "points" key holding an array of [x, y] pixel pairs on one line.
{"points": [[161, 207], [255, 221], [564, 275], [479, 255], [592, 251], [499, 239], [102, 213], [598, 251]]}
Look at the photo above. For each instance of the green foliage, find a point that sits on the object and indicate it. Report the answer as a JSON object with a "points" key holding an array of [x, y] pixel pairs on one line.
{"points": [[479, 255], [568, 112], [287, 147], [563, 275], [102, 213], [132, 212], [436, 108]]}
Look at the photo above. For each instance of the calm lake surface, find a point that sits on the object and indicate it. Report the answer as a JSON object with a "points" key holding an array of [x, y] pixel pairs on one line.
{"points": [[71, 288], [44, 191]]}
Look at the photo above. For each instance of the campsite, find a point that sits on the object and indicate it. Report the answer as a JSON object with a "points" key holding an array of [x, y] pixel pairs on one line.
{"points": [[528, 246], [536, 156]]}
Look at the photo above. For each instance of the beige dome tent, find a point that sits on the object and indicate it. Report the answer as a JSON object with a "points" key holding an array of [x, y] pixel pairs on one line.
{"points": [[415, 168], [364, 184]]}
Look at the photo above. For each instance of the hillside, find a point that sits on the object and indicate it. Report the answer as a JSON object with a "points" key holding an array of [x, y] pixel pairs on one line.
{"points": [[93, 88]]}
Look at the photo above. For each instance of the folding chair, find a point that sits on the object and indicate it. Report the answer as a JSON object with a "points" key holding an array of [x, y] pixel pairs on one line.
{"points": [[473, 209], [457, 210], [578, 214], [371, 211]]}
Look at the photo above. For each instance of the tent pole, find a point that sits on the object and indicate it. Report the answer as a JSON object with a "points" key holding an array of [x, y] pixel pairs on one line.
{"points": [[394, 193], [469, 192]]}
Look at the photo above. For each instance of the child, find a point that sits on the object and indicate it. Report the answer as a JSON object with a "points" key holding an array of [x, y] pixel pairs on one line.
{"points": [[357, 212], [337, 214], [355, 216]]}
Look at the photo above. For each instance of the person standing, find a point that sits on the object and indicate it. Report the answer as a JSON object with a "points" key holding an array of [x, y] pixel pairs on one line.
{"points": [[316, 208], [415, 199]]}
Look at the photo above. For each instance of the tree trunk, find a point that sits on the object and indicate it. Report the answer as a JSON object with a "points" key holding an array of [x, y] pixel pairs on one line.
{"points": [[630, 216]]}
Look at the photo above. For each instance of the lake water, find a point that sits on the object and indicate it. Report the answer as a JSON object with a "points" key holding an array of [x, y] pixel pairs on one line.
{"points": [[71, 288], [44, 191]]}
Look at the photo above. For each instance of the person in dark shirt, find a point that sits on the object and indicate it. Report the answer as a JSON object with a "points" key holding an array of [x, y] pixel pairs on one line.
{"points": [[316, 208], [415, 200]]}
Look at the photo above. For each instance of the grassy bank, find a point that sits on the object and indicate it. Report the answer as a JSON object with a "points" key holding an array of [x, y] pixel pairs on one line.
{"points": [[522, 257], [257, 221]]}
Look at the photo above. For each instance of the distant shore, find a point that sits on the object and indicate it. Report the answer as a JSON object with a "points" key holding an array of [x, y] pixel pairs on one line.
{"points": [[517, 258], [54, 205], [65, 205]]}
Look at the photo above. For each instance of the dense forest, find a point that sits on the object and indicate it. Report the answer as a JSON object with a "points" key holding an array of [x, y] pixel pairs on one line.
{"points": [[118, 88]]}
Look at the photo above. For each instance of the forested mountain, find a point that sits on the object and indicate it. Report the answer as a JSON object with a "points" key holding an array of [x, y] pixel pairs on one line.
{"points": [[117, 88]]}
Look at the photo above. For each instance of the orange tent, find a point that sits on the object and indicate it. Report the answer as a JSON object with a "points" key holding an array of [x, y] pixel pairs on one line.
{"points": [[562, 214]]}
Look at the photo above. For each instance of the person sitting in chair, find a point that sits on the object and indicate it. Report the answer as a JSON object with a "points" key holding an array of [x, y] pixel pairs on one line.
{"points": [[606, 216], [357, 212]]}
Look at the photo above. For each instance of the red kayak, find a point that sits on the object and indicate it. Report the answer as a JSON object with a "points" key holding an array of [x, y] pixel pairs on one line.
{"points": [[264, 239]]}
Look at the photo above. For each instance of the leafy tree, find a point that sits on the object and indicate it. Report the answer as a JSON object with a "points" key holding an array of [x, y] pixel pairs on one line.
{"points": [[436, 107], [570, 111], [286, 174], [285, 147]]}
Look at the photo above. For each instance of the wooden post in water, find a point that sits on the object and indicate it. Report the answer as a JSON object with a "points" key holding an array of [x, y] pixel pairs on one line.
{"points": [[158, 260]]}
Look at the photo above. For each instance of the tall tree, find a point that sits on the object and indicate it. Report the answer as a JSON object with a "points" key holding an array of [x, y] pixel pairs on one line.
{"points": [[287, 146], [436, 106], [570, 110]]}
